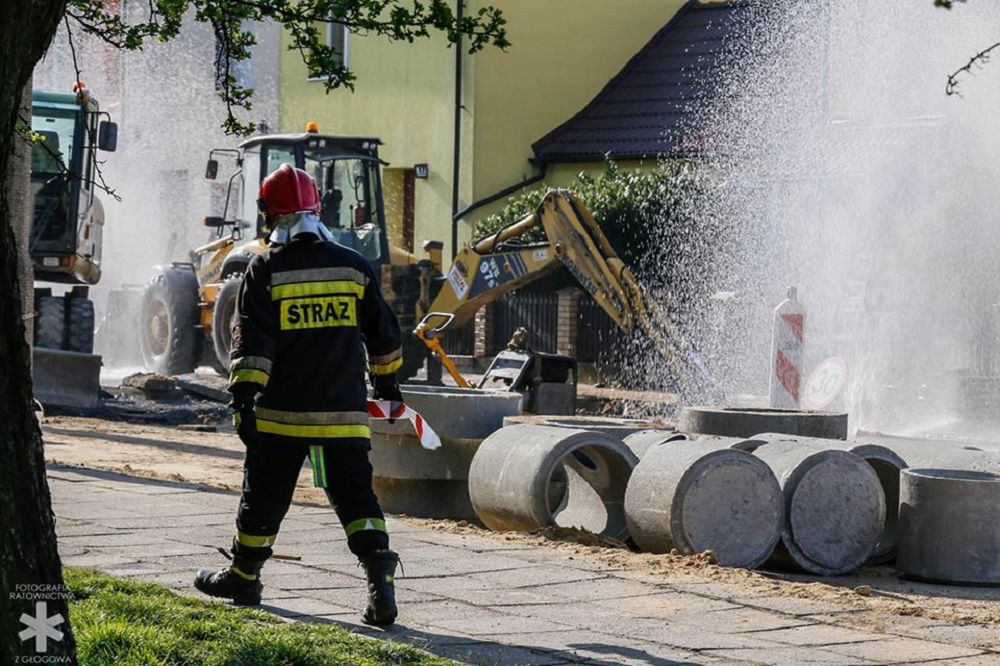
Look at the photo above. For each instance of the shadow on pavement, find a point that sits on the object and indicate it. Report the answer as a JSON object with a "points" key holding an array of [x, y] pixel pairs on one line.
{"points": [[181, 447], [476, 651]]}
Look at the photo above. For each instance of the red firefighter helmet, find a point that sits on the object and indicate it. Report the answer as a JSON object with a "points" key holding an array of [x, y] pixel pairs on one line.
{"points": [[288, 190]]}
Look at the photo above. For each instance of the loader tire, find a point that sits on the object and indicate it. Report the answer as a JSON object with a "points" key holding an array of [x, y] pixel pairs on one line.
{"points": [[222, 321], [168, 333], [50, 326], [80, 325]]}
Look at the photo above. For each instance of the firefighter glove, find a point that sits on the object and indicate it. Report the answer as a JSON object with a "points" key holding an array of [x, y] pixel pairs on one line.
{"points": [[386, 388], [242, 404]]}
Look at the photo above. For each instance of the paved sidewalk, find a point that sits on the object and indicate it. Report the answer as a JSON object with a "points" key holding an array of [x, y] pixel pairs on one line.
{"points": [[477, 599]]}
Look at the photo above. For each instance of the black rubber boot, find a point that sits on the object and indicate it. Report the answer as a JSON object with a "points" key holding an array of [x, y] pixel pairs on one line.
{"points": [[240, 582], [380, 568]]}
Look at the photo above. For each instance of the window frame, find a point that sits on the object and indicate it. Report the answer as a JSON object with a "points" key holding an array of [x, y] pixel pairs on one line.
{"points": [[345, 56]]}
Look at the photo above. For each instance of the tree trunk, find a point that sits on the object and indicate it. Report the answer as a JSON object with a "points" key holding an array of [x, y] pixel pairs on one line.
{"points": [[21, 201], [28, 555]]}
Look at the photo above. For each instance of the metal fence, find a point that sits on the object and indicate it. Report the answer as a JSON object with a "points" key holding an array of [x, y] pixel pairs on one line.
{"points": [[595, 333], [535, 311], [461, 341]]}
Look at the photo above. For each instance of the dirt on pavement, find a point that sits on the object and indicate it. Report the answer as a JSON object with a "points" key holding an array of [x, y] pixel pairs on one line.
{"points": [[215, 459]]}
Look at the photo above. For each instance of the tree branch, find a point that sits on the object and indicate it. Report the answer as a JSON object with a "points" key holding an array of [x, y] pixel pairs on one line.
{"points": [[978, 60]]}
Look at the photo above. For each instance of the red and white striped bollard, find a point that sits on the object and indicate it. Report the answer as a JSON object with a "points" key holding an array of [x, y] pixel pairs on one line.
{"points": [[787, 347]]}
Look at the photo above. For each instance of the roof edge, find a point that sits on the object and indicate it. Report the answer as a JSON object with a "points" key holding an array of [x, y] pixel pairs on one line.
{"points": [[685, 9]]}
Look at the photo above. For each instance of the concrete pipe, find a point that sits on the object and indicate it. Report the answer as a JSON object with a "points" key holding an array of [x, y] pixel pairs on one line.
{"points": [[525, 477], [928, 453], [886, 464], [747, 422], [948, 528], [613, 427], [412, 480], [834, 507], [642, 441], [695, 496]]}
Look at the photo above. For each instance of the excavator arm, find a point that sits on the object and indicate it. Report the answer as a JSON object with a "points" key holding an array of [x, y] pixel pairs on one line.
{"points": [[498, 264]]}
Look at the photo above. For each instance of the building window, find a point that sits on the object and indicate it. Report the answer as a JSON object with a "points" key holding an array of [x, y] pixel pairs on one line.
{"points": [[336, 38], [240, 70]]}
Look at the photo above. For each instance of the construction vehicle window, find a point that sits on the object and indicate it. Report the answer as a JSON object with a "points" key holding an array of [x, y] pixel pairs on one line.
{"points": [[58, 129], [278, 155], [251, 187], [346, 188], [90, 148]]}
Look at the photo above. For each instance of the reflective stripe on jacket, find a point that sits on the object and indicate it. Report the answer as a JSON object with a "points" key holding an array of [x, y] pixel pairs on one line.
{"points": [[305, 316]]}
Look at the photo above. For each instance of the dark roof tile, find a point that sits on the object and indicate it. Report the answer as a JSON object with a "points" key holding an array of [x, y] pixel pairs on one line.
{"points": [[650, 108]]}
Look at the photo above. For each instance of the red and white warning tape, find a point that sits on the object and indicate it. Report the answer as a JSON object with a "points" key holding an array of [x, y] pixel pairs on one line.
{"points": [[387, 409]]}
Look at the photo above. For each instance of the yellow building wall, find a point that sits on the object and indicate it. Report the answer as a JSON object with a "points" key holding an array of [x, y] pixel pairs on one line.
{"points": [[404, 95], [563, 52]]}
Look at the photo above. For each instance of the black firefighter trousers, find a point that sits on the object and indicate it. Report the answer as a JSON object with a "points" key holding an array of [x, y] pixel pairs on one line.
{"points": [[270, 472]]}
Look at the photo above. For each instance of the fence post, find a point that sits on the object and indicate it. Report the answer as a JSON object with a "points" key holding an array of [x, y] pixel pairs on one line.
{"points": [[483, 323], [567, 320]]}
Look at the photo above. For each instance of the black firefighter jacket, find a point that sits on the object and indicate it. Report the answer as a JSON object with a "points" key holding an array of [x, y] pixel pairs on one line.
{"points": [[303, 313]]}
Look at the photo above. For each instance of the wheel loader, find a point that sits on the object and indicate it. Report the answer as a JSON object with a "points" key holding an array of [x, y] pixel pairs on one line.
{"points": [[188, 307], [65, 242]]}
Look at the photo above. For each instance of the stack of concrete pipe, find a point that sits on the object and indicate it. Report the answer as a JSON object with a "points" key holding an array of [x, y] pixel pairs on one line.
{"points": [[823, 505], [415, 481]]}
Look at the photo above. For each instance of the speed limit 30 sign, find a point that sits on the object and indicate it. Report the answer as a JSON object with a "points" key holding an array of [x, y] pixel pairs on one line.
{"points": [[824, 383]]}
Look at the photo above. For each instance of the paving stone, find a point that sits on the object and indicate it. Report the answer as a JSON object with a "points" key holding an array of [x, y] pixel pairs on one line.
{"points": [[310, 579], [487, 597], [790, 605], [95, 558], [534, 576], [450, 564], [628, 627], [121, 538], [481, 621], [132, 569], [902, 650], [500, 655], [668, 605], [469, 542], [787, 656], [989, 659], [739, 620], [67, 529], [299, 606], [816, 635], [595, 647], [598, 588]]}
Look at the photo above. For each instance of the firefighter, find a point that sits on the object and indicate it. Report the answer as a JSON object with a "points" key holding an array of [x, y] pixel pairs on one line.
{"points": [[305, 311]]}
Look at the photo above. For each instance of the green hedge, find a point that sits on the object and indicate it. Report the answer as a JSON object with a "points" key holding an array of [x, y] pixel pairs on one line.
{"points": [[635, 208]]}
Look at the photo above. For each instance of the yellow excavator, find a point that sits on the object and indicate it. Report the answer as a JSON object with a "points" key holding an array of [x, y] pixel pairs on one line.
{"points": [[500, 263], [187, 307]]}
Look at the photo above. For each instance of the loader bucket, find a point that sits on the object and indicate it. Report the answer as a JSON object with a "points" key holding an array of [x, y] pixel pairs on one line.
{"points": [[66, 379]]}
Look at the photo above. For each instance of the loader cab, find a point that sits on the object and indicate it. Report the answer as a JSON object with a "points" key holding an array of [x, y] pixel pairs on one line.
{"points": [[66, 229], [347, 173]]}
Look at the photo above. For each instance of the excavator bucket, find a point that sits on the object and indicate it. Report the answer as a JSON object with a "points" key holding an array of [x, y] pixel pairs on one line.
{"points": [[66, 379]]}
